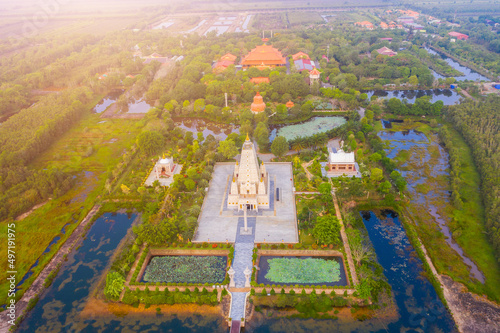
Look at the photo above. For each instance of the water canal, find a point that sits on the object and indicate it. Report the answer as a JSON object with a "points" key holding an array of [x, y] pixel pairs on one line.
{"points": [[469, 74], [420, 309], [426, 171], [62, 305], [448, 96]]}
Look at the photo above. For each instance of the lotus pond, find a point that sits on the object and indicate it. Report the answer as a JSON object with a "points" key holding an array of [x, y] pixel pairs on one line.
{"points": [[287, 270], [313, 126], [189, 269]]}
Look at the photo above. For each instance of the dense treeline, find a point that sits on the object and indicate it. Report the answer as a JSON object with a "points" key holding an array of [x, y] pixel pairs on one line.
{"points": [[479, 123], [21, 188], [32, 130], [421, 107]]}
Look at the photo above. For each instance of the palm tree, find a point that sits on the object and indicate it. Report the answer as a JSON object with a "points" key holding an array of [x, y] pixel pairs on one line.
{"points": [[298, 144]]}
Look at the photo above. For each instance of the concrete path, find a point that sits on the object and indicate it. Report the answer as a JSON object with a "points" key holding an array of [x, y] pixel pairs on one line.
{"points": [[238, 305], [346, 242], [243, 250]]}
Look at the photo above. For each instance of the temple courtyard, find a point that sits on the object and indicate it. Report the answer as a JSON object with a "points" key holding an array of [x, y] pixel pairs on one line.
{"points": [[218, 223]]}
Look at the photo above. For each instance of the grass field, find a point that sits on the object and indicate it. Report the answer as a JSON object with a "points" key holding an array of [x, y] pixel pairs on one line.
{"points": [[34, 233]]}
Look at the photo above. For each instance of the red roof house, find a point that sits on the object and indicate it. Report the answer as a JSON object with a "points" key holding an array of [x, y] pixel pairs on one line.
{"points": [[458, 35], [386, 51]]}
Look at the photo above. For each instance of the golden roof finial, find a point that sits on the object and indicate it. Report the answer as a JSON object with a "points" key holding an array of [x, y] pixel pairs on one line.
{"points": [[247, 139], [163, 155]]}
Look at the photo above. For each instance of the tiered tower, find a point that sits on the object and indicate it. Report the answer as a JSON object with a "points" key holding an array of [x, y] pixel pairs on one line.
{"points": [[250, 182], [258, 104]]}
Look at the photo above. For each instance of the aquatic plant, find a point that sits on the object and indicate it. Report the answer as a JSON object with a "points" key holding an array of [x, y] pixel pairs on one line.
{"points": [[186, 269], [309, 270]]}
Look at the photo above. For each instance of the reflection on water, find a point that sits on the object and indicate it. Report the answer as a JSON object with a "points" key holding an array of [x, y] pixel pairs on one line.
{"points": [[448, 96], [422, 173], [59, 308], [469, 74], [107, 100], [420, 308], [207, 127], [139, 106]]}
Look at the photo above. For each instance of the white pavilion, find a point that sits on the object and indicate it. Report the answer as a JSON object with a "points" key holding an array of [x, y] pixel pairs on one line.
{"points": [[340, 162], [250, 182]]}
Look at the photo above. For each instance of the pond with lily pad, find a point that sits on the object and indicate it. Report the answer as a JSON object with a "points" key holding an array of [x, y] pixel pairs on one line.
{"points": [[185, 268], [303, 270], [308, 128]]}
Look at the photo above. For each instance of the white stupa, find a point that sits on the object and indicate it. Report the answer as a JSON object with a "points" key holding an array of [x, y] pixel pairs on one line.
{"points": [[250, 183]]}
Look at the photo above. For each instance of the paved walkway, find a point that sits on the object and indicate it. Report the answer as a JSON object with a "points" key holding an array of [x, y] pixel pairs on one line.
{"points": [[238, 305], [243, 250], [346, 242]]}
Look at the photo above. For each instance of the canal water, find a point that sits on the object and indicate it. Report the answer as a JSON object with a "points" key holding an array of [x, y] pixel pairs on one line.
{"points": [[420, 308], [109, 99], [448, 96], [194, 125], [469, 74], [418, 305], [420, 171], [59, 308]]}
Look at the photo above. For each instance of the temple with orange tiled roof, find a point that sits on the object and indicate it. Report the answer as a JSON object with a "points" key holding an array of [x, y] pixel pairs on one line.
{"points": [[260, 79], [289, 104], [365, 24], [225, 61], [263, 56], [258, 104], [300, 55]]}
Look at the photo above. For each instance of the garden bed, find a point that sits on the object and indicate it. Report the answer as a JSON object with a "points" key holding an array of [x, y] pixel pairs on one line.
{"points": [[301, 268]]}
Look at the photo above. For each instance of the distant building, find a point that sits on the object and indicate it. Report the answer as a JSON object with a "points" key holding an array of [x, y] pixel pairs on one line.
{"points": [[300, 55], [224, 62], [260, 79], [155, 57], [458, 35], [304, 65], [289, 104], [263, 56], [386, 51], [365, 24], [384, 25], [314, 76]]}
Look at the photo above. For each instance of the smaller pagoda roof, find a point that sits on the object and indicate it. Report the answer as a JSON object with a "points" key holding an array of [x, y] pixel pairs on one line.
{"points": [[314, 72], [289, 104], [300, 55]]}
